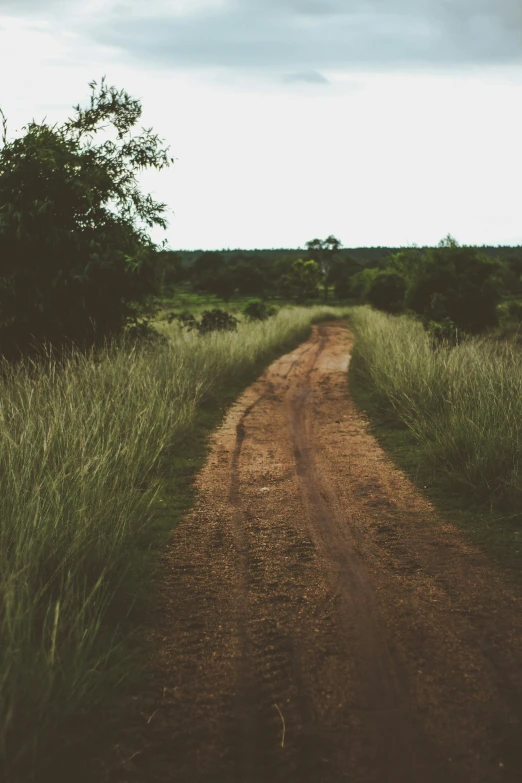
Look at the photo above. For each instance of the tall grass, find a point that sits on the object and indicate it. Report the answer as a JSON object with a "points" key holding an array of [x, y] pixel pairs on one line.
{"points": [[81, 448], [463, 404]]}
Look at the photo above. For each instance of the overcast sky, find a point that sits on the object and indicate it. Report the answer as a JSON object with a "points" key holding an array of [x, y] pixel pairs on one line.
{"points": [[384, 122]]}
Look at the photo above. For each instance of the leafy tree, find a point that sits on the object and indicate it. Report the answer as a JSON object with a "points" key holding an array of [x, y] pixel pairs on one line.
{"points": [[170, 270], [361, 282], [386, 289], [214, 274], [456, 283], [278, 272], [221, 283], [323, 252], [302, 281], [248, 278], [404, 261], [341, 273], [74, 250], [512, 274], [342, 287], [207, 265]]}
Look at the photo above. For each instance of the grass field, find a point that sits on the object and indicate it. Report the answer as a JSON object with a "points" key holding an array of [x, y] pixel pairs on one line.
{"points": [[85, 454], [451, 417], [185, 298]]}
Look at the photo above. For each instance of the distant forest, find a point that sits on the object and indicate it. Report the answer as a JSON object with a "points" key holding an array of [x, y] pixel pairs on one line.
{"points": [[450, 285], [363, 256]]}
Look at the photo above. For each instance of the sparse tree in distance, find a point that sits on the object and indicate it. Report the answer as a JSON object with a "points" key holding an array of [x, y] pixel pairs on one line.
{"points": [[323, 252]]}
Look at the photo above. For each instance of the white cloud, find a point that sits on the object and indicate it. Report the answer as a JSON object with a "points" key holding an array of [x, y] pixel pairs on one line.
{"points": [[374, 156]]}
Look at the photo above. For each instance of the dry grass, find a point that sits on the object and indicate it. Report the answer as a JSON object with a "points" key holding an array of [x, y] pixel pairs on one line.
{"points": [[80, 450], [463, 404]]}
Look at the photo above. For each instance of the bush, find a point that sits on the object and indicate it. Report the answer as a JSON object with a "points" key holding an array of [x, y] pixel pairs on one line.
{"points": [[257, 310], [211, 321], [143, 333], [217, 321], [186, 319]]}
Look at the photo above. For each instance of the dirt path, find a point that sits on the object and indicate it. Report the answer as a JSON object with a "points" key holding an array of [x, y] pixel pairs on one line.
{"points": [[313, 585]]}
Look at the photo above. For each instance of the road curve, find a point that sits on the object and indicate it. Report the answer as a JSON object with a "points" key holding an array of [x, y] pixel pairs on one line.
{"points": [[319, 621]]}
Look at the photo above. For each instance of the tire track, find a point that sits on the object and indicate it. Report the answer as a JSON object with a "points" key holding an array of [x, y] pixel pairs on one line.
{"points": [[247, 723], [382, 694], [312, 575]]}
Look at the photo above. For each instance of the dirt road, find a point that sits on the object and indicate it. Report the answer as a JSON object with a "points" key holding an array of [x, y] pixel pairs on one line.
{"points": [[320, 623]]}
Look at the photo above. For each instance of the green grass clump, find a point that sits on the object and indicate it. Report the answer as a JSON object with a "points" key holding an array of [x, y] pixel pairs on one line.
{"points": [[462, 404], [82, 447]]}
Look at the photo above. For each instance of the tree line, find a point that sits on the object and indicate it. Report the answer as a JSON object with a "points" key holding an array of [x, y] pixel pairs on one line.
{"points": [[456, 287], [77, 263]]}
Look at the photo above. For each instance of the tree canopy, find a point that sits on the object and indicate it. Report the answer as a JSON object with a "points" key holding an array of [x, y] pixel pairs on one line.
{"points": [[458, 283], [74, 249], [323, 252]]}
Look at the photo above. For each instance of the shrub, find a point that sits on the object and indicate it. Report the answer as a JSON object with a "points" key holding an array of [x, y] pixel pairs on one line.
{"points": [[217, 321], [185, 319], [143, 333], [257, 310], [211, 321]]}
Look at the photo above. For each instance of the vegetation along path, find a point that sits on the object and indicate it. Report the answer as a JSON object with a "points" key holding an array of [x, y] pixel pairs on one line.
{"points": [[320, 623]]}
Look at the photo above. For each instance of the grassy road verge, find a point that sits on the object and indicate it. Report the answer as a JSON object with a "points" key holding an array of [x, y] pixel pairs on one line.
{"points": [[95, 466], [451, 418]]}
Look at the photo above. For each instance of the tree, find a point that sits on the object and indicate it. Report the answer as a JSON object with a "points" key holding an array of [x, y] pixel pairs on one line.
{"points": [[461, 284], [222, 284], [278, 271], [302, 281], [512, 275], [323, 252], [359, 284], [341, 273], [74, 250], [404, 261], [248, 277], [342, 287], [207, 264], [170, 269], [386, 289]]}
